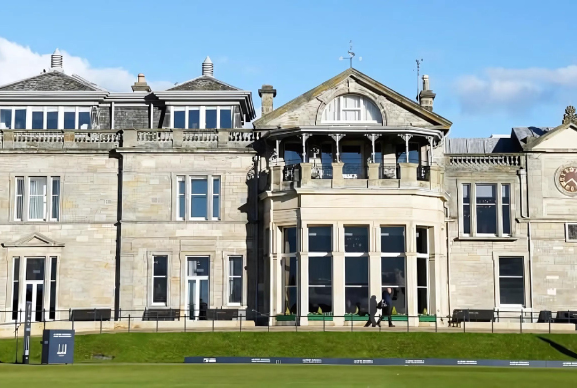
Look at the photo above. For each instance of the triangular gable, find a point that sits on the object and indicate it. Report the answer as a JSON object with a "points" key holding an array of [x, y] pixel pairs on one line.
{"points": [[33, 240], [365, 81], [51, 81], [204, 83], [562, 138]]}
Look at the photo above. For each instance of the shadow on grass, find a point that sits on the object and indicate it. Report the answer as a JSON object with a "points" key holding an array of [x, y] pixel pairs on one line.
{"points": [[560, 348]]}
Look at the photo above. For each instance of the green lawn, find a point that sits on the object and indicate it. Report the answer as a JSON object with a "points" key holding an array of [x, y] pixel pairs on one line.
{"points": [[277, 376], [173, 347]]}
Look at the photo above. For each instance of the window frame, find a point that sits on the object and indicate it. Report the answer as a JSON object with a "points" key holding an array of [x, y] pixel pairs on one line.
{"points": [[386, 255], [153, 276], [528, 303], [231, 277], [499, 208], [202, 115], [25, 198], [426, 257], [315, 254], [45, 109], [352, 255], [362, 109], [210, 195], [567, 239], [287, 256]]}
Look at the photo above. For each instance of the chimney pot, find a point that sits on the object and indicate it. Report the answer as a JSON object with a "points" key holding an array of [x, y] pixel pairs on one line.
{"points": [[56, 61], [426, 96], [207, 67], [267, 93], [140, 85]]}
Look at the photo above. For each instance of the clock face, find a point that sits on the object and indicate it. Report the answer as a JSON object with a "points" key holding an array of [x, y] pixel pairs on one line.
{"points": [[568, 179]]}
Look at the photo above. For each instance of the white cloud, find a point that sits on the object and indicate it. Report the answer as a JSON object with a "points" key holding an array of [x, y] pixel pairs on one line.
{"points": [[514, 90], [19, 62]]}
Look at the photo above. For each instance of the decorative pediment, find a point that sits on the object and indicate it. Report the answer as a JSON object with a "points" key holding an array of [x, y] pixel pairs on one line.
{"points": [[396, 109], [51, 81], [203, 83], [562, 139], [33, 240]]}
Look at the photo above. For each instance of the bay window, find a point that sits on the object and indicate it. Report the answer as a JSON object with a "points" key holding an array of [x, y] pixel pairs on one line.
{"points": [[290, 271], [393, 265]]}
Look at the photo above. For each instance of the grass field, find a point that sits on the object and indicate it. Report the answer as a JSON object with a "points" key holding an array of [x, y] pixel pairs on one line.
{"points": [[277, 376], [173, 347]]}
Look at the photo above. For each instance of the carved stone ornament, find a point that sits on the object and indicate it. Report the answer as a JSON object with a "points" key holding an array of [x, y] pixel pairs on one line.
{"points": [[569, 116]]}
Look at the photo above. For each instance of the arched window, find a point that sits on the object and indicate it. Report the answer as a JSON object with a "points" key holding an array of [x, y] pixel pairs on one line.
{"points": [[352, 108]]}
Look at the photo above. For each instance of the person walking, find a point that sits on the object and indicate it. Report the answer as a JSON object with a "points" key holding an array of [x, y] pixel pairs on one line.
{"points": [[372, 312], [387, 304]]}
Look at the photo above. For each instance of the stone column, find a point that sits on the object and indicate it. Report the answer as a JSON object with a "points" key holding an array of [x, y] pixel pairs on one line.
{"points": [[303, 280], [129, 138], [8, 140], [276, 178], [435, 177], [177, 137], [411, 275], [408, 174], [68, 139], [305, 174], [373, 174], [222, 137], [338, 180]]}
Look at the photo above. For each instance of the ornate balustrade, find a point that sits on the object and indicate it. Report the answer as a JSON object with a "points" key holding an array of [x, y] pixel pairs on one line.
{"points": [[513, 160]]}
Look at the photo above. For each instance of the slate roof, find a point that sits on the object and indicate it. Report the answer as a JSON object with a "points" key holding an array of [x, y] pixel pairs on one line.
{"points": [[204, 82], [481, 145], [51, 81], [524, 133]]}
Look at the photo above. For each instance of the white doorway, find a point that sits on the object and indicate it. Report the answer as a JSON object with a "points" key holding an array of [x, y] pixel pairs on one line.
{"points": [[198, 287], [34, 287]]}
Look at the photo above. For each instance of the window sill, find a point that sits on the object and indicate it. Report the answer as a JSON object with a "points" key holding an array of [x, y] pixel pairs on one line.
{"points": [[486, 238]]}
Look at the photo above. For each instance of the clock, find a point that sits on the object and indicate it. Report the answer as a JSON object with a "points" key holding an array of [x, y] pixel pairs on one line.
{"points": [[568, 179]]}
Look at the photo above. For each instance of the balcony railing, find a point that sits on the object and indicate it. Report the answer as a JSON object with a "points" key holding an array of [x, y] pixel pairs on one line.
{"points": [[353, 171], [290, 172], [390, 171], [322, 171], [423, 173], [513, 160]]}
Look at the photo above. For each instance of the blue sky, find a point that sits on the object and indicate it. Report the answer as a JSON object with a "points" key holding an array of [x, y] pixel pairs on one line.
{"points": [[493, 64]]}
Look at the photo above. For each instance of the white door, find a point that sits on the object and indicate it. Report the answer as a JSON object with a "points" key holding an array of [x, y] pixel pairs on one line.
{"points": [[197, 294], [34, 284]]}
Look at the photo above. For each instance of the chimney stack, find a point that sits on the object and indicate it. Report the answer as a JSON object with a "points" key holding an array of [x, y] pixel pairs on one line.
{"points": [[426, 96], [267, 93], [140, 85], [207, 67], [56, 61]]}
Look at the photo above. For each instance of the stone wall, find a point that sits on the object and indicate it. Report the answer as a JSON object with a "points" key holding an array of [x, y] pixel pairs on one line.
{"points": [[131, 117]]}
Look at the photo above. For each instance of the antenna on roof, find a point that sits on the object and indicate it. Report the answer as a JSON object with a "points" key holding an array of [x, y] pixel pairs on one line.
{"points": [[419, 61], [351, 54]]}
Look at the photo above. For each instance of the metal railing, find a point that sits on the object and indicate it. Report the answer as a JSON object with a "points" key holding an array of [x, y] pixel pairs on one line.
{"points": [[290, 172], [353, 171], [322, 171], [424, 173], [389, 171]]}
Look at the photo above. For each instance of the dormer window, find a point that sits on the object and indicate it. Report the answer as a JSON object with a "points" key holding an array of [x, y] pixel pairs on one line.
{"points": [[202, 117], [352, 108]]}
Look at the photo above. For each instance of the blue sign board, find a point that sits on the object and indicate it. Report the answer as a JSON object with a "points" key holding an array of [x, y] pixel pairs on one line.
{"points": [[58, 347]]}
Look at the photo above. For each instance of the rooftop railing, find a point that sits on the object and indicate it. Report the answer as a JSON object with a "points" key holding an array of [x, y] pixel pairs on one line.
{"points": [[513, 160]]}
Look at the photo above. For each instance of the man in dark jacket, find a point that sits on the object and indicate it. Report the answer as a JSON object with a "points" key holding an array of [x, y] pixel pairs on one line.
{"points": [[388, 301]]}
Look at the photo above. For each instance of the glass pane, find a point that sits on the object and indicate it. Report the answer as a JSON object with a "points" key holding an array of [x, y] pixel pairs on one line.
{"points": [[326, 154], [320, 300], [225, 118], [505, 194], [512, 291], [351, 101], [39, 302], [422, 306], [181, 198], [52, 313], [192, 302], [55, 198], [84, 120], [291, 295], [393, 271], [199, 186], [351, 156], [399, 298], [290, 271], [159, 290], [19, 198], [215, 185], [393, 239], [414, 155], [357, 300], [179, 119], [198, 207], [15, 297], [235, 267], [422, 240], [51, 120], [35, 269], [356, 239], [215, 207], [421, 272], [293, 153], [320, 271], [5, 118], [467, 219], [53, 266], [235, 289], [506, 219], [290, 240], [486, 194], [510, 266], [37, 120], [193, 119], [356, 271], [467, 193], [69, 120], [486, 219], [572, 231], [16, 272], [198, 266], [20, 119], [203, 301], [29, 288], [320, 239], [160, 265], [210, 118]]}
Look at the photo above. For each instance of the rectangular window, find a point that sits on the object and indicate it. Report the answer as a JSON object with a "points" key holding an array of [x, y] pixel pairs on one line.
{"points": [[486, 200], [194, 118], [181, 200], [179, 119], [235, 280], [37, 198], [393, 239], [5, 118], [320, 285], [571, 232], [393, 276], [199, 197], [422, 270], [320, 239], [15, 288], [506, 208], [225, 116], [55, 205], [356, 239], [37, 120], [466, 209], [160, 280], [210, 118], [357, 285], [290, 271], [69, 120], [53, 268], [511, 281], [19, 199], [84, 120], [215, 198], [20, 119], [52, 119]]}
